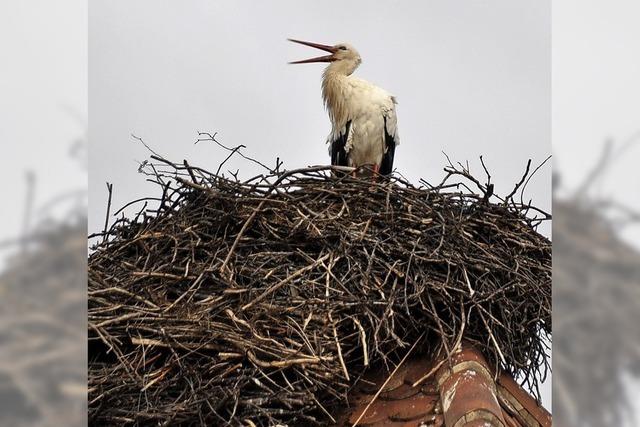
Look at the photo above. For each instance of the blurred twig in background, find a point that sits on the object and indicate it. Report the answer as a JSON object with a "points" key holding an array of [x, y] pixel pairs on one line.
{"points": [[596, 309], [43, 314]]}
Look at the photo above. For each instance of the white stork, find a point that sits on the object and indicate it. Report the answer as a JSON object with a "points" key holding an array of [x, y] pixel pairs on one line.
{"points": [[363, 116]]}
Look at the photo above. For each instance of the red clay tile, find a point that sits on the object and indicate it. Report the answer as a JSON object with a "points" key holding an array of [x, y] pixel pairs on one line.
{"points": [[417, 369], [469, 389], [538, 412], [403, 392], [399, 410]]}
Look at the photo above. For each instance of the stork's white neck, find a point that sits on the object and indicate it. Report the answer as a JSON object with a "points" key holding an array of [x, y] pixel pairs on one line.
{"points": [[333, 94], [344, 67], [334, 81]]}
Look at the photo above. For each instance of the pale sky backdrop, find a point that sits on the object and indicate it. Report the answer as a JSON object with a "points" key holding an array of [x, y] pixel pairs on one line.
{"points": [[471, 78]]}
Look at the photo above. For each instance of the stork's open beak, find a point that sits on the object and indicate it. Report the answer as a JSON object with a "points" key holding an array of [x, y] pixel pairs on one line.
{"points": [[324, 58]]}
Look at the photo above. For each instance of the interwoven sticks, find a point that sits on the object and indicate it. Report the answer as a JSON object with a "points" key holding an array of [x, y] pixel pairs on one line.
{"points": [[264, 301]]}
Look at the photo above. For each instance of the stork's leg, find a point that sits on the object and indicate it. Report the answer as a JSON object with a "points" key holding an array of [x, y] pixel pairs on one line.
{"points": [[376, 170]]}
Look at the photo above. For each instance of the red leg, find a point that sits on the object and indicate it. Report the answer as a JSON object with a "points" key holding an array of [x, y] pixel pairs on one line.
{"points": [[376, 169]]}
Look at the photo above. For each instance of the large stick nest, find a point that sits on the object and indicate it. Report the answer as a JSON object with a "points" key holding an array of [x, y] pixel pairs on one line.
{"points": [[265, 301]]}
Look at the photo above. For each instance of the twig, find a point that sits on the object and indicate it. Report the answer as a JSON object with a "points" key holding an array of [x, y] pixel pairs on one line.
{"points": [[339, 348], [518, 184], [283, 282], [106, 217]]}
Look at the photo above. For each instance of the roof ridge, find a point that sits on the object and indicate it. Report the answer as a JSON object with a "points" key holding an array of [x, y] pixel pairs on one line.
{"points": [[459, 390]]}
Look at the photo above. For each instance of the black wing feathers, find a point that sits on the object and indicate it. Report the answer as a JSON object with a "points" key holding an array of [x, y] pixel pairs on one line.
{"points": [[386, 166], [338, 153]]}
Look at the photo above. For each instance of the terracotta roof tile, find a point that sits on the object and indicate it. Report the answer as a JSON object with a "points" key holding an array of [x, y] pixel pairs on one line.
{"points": [[464, 395], [468, 392], [524, 401], [414, 408]]}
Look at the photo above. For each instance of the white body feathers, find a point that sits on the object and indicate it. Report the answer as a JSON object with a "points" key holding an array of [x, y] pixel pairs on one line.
{"points": [[370, 111]]}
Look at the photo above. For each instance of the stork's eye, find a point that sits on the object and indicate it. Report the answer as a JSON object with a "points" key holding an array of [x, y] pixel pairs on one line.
{"points": [[342, 47]]}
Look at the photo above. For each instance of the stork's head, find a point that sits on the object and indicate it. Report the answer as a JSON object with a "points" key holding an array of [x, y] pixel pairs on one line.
{"points": [[344, 58]]}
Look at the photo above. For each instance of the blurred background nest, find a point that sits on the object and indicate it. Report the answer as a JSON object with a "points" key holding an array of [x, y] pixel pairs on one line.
{"points": [[42, 319], [265, 301], [596, 277]]}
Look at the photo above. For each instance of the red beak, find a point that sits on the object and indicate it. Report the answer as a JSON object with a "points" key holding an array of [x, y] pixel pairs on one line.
{"points": [[325, 58]]}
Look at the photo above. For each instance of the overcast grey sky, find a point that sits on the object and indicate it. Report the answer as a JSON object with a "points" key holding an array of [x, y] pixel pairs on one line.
{"points": [[471, 78]]}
